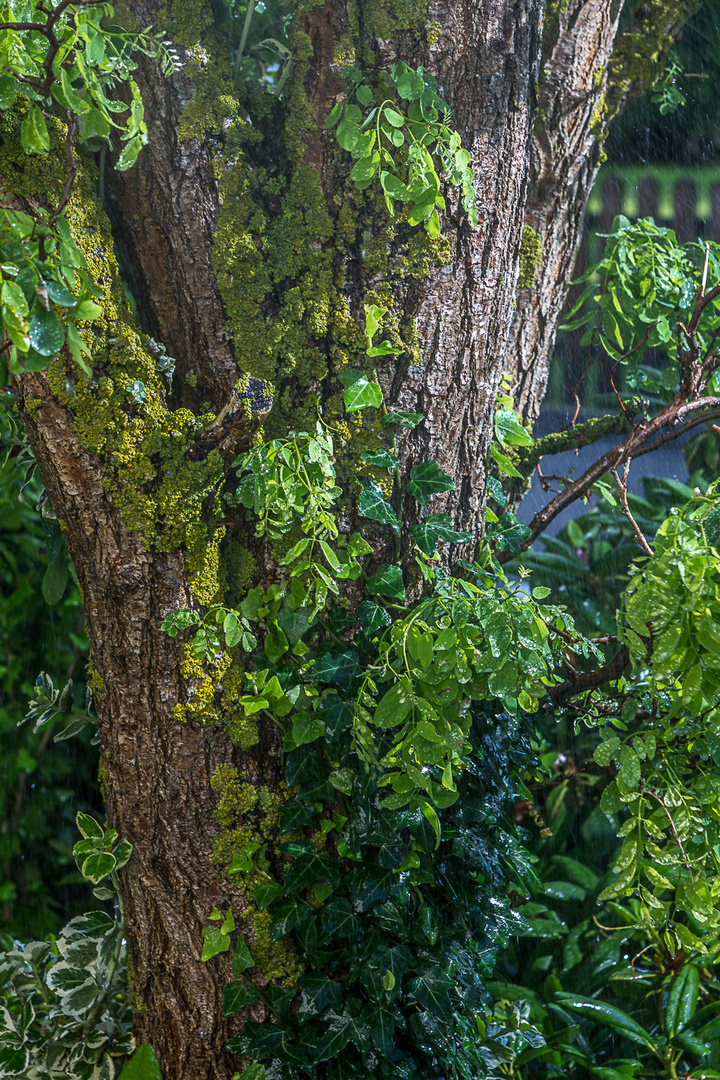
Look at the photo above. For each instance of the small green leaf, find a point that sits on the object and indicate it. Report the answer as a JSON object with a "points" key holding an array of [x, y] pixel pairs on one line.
{"points": [[214, 942], [509, 430], [47, 333], [88, 826], [360, 392], [393, 117], [88, 311], [394, 705], [334, 115]]}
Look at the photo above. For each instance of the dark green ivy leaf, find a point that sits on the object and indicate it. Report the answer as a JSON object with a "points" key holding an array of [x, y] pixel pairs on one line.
{"points": [[338, 668], [402, 419], [381, 1021], [372, 618], [428, 479], [236, 995], [434, 528], [380, 458], [387, 582], [307, 869], [372, 504]]}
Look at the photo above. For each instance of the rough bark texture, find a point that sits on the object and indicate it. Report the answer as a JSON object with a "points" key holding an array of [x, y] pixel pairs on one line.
{"points": [[157, 770], [564, 162]]}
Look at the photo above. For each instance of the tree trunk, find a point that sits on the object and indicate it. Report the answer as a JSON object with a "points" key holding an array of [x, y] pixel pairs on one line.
{"points": [[534, 124]]}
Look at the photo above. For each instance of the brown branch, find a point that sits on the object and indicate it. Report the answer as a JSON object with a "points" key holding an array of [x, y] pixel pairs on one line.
{"points": [[590, 680], [635, 445], [622, 484]]}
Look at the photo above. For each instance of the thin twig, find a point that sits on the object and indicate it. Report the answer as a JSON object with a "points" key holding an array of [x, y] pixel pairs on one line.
{"points": [[622, 490], [678, 841]]}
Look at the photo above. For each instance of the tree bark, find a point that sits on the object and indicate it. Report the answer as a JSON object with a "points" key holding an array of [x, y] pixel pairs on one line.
{"points": [[164, 213]]}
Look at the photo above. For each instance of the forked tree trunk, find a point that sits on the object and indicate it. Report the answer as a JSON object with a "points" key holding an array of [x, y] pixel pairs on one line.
{"points": [[529, 112]]}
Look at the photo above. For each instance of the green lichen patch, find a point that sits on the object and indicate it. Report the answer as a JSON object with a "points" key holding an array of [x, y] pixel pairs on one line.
{"points": [[530, 257]]}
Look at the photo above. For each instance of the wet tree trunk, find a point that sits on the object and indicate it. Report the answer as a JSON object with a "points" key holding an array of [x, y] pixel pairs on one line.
{"points": [[529, 114]]}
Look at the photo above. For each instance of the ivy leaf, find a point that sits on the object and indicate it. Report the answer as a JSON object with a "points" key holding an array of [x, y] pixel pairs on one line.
{"points": [[306, 729], [372, 618], [372, 504], [434, 528], [242, 960], [433, 993], [387, 582], [495, 491], [338, 668], [284, 917], [381, 1021], [297, 813], [338, 1032], [265, 894], [236, 995], [360, 393], [307, 869], [402, 419], [426, 480], [214, 942], [381, 459]]}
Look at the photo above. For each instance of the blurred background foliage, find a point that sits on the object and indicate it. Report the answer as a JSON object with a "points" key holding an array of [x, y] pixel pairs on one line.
{"points": [[42, 783]]}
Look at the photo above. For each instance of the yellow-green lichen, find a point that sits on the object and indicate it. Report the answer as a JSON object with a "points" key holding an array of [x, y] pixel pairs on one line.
{"points": [[530, 257], [249, 813], [120, 413], [206, 685], [434, 34]]}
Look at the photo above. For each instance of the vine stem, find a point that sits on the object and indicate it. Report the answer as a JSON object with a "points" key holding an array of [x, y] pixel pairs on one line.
{"points": [[243, 37]]}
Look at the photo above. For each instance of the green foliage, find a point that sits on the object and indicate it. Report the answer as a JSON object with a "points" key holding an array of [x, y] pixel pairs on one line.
{"points": [[66, 62], [407, 151], [41, 778], [645, 283], [666, 94], [65, 1011]]}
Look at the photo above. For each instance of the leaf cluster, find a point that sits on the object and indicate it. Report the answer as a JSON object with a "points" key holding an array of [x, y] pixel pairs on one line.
{"points": [[407, 150]]}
